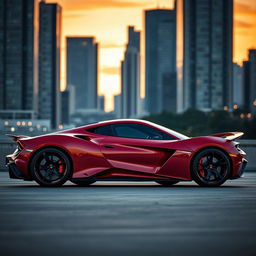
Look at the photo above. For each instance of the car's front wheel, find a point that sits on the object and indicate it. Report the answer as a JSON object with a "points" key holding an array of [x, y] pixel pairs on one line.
{"points": [[50, 167], [211, 167]]}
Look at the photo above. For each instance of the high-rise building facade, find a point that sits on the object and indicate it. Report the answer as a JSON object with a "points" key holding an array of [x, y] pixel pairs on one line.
{"points": [[101, 102], [130, 76], [249, 81], [65, 106], [82, 70], [238, 91], [117, 106], [161, 92], [18, 55], [49, 63], [207, 53], [68, 100]]}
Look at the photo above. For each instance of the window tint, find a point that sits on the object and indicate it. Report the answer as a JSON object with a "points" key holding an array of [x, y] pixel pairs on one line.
{"points": [[103, 130], [138, 131], [171, 132], [129, 132]]}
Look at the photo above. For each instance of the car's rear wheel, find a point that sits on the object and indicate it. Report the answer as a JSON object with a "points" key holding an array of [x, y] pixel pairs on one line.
{"points": [[84, 183], [211, 167], [167, 183], [50, 167]]}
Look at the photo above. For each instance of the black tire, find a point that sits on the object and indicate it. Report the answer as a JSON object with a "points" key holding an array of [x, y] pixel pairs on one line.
{"points": [[50, 167], [211, 167], [84, 183], [167, 183]]}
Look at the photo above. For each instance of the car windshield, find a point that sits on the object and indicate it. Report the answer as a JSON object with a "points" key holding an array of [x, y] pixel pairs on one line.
{"points": [[171, 132]]}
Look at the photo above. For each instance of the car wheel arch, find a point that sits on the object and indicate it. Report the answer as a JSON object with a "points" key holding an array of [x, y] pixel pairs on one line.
{"points": [[210, 147], [49, 146]]}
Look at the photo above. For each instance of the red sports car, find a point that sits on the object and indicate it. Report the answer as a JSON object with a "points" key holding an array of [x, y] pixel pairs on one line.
{"points": [[126, 150]]}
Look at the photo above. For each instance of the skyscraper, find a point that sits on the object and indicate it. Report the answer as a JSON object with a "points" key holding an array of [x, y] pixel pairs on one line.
{"points": [[49, 62], [160, 60], [130, 76], [101, 102], [18, 54], [82, 70], [249, 81], [207, 53]]}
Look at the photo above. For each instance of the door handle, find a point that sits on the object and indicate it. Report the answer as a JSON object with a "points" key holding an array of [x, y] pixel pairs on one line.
{"points": [[108, 146]]}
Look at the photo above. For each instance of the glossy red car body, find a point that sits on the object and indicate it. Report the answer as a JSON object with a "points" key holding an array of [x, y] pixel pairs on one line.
{"points": [[109, 157]]}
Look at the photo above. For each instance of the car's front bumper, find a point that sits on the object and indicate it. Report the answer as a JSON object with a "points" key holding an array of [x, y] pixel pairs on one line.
{"points": [[241, 169]]}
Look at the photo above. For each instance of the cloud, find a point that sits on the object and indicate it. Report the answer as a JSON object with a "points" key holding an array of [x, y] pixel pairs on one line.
{"points": [[74, 14], [110, 70], [78, 5], [243, 24], [111, 45], [245, 9]]}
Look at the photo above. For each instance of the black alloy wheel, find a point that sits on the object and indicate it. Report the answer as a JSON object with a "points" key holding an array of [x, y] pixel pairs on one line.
{"points": [[211, 167], [167, 183], [50, 167]]}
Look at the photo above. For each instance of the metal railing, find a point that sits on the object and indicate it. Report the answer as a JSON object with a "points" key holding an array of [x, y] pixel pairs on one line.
{"points": [[249, 146], [7, 146]]}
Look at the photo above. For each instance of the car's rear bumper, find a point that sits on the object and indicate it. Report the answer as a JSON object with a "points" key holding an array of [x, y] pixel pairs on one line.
{"points": [[14, 172]]}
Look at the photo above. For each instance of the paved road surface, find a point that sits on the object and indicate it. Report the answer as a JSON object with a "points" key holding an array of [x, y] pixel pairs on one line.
{"points": [[128, 219]]}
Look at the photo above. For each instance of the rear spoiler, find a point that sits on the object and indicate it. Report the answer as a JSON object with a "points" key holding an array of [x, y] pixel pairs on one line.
{"points": [[16, 137], [229, 135]]}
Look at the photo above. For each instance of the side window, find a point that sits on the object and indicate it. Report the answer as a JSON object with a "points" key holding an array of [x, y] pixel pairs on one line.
{"points": [[138, 131], [127, 131], [103, 130]]}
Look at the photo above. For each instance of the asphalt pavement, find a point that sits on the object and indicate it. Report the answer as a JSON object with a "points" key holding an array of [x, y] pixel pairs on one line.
{"points": [[123, 218]]}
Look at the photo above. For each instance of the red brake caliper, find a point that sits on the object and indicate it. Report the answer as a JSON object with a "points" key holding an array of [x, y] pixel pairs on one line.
{"points": [[60, 170], [201, 171]]}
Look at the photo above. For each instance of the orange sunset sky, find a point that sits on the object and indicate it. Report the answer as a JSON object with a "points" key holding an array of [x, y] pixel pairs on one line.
{"points": [[107, 20]]}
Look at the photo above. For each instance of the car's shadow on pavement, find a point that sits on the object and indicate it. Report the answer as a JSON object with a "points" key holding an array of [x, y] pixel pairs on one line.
{"points": [[99, 186]]}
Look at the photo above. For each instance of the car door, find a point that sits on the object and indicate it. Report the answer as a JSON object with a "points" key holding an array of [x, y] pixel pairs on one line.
{"points": [[134, 147]]}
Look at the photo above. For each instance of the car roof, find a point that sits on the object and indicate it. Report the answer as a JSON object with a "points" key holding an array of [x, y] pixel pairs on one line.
{"points": [[117, 121], [123, 121], [107, 122]]}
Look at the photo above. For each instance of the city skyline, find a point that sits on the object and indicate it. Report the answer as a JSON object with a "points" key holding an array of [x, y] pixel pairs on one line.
{"points": [[207, 44], [79, 19]]}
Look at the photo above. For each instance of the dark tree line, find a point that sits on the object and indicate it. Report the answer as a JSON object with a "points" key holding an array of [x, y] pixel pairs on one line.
{"points": [[194, 122]]}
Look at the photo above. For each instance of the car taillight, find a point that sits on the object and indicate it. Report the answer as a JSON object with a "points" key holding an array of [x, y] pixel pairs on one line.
{"points": [[238, 147], [18, 149]]}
